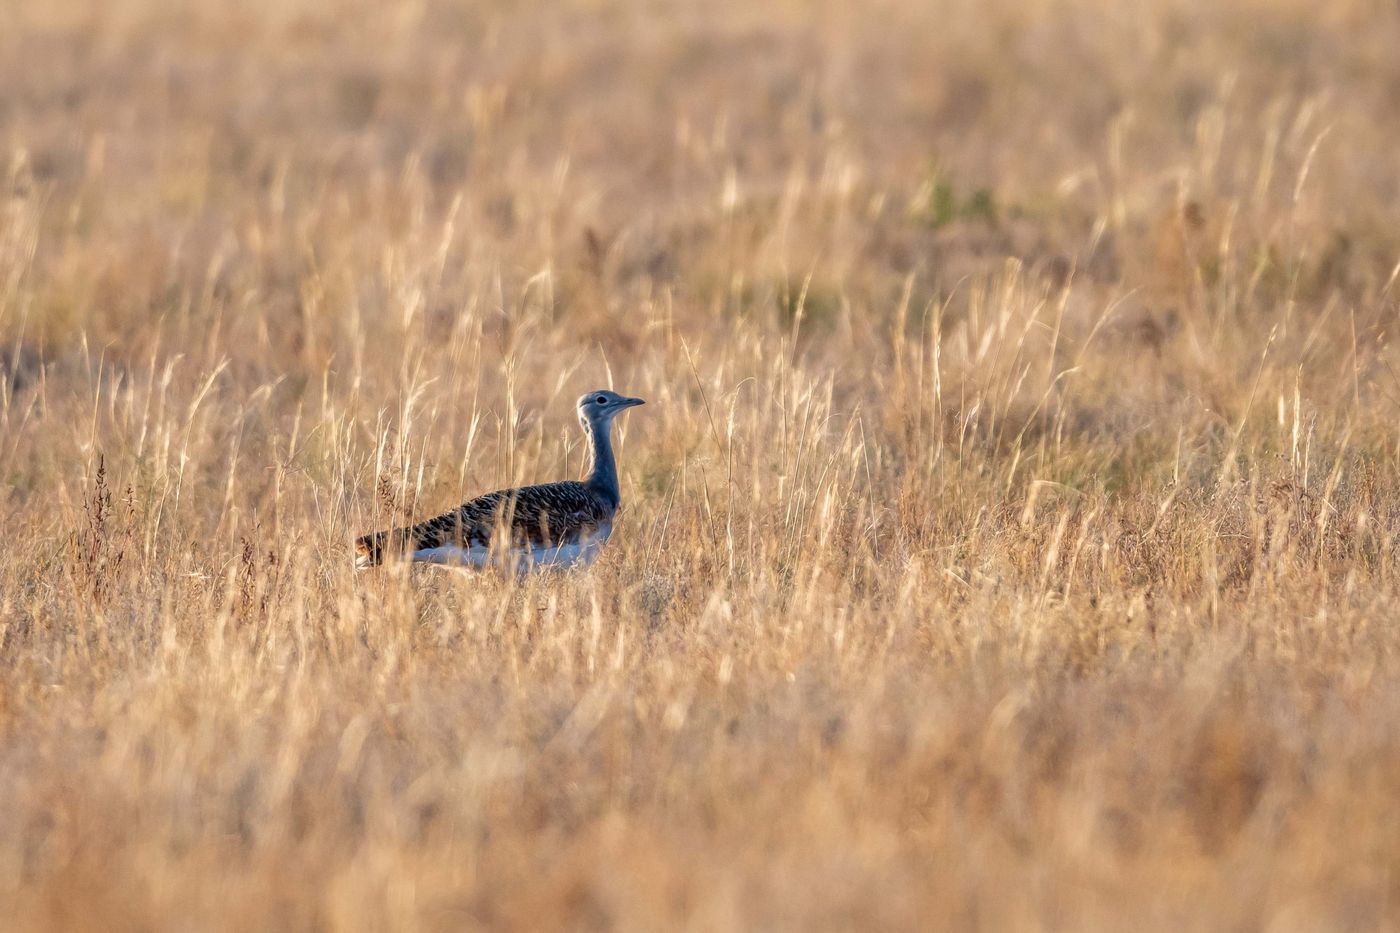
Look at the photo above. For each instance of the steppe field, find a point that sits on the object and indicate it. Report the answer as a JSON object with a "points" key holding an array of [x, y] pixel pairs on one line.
{"points": [[1011, 538]]}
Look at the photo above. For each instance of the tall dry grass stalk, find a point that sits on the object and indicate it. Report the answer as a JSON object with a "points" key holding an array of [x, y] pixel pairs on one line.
{"points": [[1010, 539]]}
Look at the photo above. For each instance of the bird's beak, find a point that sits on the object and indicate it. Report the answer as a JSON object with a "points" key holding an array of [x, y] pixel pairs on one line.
{"points": [[631, 403]]}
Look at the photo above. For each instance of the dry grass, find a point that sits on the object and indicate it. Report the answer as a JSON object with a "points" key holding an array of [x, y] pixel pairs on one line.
{"points": [[1011, 539]]}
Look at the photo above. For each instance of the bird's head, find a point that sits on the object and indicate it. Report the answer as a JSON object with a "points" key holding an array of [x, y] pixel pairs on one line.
{"points": [[599, 407]]}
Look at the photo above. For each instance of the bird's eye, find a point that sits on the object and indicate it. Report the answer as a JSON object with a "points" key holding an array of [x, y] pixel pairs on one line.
{"points": [[601, 400]]}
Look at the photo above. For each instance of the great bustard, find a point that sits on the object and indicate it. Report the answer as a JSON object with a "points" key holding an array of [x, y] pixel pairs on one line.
{"points": [[554, 524]]}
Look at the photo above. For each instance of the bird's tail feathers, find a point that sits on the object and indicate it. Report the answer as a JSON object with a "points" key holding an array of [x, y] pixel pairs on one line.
{"points": [[373, 549]]}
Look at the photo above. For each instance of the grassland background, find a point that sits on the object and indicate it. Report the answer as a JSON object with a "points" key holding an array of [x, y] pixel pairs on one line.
{"points": [[1010, 537]]}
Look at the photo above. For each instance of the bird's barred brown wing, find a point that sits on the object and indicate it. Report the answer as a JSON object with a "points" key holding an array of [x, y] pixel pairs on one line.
{"points": [[550, 514]]}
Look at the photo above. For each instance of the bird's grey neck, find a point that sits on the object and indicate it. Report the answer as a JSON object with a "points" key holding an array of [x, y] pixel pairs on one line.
{"points": [[602, 478]]}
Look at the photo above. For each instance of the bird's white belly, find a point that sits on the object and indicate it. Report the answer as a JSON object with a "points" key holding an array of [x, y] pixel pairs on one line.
{"points": [[518, 559]]}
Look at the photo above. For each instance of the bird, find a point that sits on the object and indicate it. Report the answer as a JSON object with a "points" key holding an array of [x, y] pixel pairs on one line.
{"points": [[528, 528]]}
